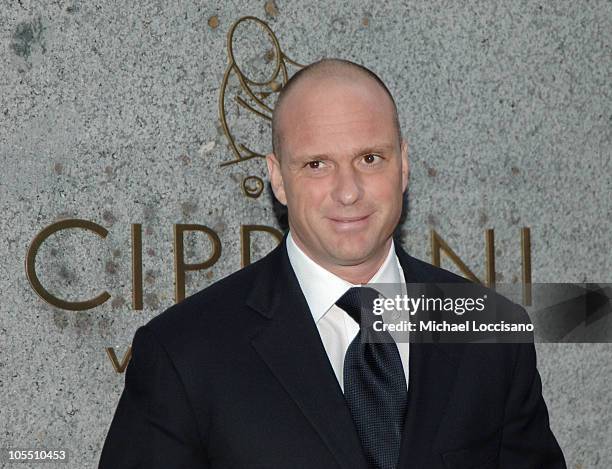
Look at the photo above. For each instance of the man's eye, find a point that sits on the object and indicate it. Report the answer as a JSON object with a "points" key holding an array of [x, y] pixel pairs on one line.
{"points": [[371, 158], [314, 164]]}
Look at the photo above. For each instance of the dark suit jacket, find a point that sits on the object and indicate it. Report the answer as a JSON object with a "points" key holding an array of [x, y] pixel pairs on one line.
{"points": [[236, 376]]}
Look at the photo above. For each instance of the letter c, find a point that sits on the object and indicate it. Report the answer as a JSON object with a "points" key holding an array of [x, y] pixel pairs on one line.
{"points": [[31, 261]]}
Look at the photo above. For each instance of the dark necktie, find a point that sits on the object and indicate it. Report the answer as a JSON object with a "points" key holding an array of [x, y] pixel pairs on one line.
{"points": [[374, 383]]}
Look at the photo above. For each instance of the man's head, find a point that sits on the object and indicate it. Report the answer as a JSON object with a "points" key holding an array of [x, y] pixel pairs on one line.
{"points": [[340, 165]]}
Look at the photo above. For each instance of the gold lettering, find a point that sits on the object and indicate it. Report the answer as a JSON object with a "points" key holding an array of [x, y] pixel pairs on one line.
{"points": [[137, 266], [180, 267], [526, 264], [119, 367], [38, 240], [245, 240], [438, 245], [490, 257]]}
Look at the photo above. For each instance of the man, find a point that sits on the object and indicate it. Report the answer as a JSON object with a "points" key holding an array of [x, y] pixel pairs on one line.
{"points": [[264, 368]]}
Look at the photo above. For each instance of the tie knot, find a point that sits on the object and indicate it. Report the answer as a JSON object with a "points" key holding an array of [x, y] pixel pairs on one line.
{"points": [[358, 302]]}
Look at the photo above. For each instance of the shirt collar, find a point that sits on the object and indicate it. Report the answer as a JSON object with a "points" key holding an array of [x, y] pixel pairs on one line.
{"points": [[322, 289]]}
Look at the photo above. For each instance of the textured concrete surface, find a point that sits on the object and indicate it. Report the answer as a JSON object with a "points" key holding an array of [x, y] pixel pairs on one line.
{"points": [[108, 112]]}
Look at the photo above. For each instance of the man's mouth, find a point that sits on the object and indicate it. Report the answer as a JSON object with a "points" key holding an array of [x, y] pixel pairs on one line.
{"points": [[349, 223]]}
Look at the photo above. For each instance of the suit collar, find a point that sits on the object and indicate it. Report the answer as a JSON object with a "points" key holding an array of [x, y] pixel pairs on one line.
{"points": [[277, 274], [274, 277], [277, 283], [322, 288], [406, 262]]}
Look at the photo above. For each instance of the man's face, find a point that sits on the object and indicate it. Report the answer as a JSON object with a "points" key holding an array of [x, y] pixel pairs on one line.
{"points": [[342, 171]]}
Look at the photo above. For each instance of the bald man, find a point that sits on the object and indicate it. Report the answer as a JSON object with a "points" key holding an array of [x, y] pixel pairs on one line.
{"points": [[266, 369]]}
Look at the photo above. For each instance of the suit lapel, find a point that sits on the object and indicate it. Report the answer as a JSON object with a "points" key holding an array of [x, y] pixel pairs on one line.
{"points": [[432, 373], [291, 346]]}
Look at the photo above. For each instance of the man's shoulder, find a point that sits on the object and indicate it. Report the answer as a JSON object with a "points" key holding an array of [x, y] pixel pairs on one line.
{"points": [[424, 272], [505, 308], [214, 311]]}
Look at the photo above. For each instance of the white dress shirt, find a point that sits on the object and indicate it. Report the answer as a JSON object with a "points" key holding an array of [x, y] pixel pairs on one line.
{"points": [[322, 289]]}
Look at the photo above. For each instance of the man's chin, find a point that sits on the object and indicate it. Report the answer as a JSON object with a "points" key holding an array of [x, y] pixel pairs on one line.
{"points": [[348, 255]]}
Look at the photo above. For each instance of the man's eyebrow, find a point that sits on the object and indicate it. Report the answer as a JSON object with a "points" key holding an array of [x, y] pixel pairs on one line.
{"points": [[374, 149], [382, 148], [307, 157]]}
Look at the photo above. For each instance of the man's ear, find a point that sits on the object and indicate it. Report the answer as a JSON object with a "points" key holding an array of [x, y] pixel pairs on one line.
{"points": [[276, 178], [405, 164]]}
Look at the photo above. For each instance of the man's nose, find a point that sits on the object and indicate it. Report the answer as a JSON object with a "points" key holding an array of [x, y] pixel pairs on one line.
{"points": [[347, 186]]}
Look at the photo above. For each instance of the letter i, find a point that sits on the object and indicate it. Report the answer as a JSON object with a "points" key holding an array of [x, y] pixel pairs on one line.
{"points": [[137, 266]]}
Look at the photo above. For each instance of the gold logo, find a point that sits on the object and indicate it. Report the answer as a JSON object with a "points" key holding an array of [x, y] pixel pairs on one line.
{"points": [[255, 95]]}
